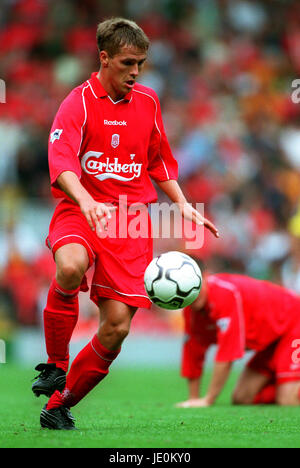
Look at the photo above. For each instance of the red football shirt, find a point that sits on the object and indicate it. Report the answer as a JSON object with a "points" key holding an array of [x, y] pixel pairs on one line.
{"points": [[248, 313], [115, 148]]}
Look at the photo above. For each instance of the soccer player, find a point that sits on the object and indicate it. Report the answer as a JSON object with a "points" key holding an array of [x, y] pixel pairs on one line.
{"points": [[106, 144], [239, 313]]}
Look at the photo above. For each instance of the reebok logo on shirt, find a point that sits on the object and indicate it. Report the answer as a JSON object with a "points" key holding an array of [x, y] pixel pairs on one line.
{"points": [[121, 123]]}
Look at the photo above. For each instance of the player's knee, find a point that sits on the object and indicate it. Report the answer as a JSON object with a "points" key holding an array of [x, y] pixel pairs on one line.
{"points": [[115, 333], [286, 400], [69, 275], [282, 400], [241, 398], [120, 332], [288, 394]]}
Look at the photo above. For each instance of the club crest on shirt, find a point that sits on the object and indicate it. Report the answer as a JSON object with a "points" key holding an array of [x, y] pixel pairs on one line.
{"points": [[115, 140], [55, 135]]}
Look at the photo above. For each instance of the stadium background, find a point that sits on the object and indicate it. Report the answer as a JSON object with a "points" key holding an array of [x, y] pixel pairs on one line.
{"points": [[223, 70]]}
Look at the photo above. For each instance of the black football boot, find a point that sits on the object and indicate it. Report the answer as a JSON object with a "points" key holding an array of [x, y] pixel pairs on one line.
{"points": [[51, 378], [57, 419]]}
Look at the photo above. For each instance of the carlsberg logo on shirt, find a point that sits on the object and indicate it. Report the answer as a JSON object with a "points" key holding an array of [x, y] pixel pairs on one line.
{"points": [[109, 168]]}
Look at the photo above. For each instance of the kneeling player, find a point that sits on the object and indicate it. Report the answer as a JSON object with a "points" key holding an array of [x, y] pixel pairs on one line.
{"points": [[239, 313]]}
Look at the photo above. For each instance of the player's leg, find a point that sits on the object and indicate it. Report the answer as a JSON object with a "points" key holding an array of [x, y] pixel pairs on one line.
{"points": [[287, 369], [60, 316], [286, 363], [288, 394], [115, 320], [257, 382], [72, 262], [92, 364], [118, 289], [248, 386], [61, 311]]}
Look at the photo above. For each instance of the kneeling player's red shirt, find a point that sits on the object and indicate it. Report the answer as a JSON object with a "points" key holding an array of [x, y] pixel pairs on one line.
{"points": [[241, 313], [115, 148]]}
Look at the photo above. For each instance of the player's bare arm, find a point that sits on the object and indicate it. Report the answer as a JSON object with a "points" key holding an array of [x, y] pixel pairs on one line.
{"points": [[172, 189], [220, 375], [193, 389], [95, 213]]}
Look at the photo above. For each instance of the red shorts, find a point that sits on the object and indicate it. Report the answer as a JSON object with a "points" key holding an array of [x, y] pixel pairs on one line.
{"points": [[120, 261], [280, 360]]}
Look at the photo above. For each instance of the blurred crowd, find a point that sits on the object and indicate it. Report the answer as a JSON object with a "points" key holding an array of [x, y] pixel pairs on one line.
{"points": [[223, 70]]}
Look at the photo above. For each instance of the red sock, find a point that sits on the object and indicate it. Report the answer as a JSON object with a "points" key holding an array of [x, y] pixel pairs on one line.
{"points": [[60, 318], [265, 396], [89, 367]]}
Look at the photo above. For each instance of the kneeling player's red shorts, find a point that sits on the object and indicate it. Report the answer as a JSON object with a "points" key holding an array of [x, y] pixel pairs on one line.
{"points": [[280, 360], [120, 260]]}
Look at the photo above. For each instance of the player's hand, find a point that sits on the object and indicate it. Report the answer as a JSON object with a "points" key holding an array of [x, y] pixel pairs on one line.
{"points": [[193, 403], [190, 213], [97, 214]]}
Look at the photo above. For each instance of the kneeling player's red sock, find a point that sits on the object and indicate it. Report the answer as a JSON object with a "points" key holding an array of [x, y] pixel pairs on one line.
{"points": [[89, 367], [265, 396], [60, 318]]}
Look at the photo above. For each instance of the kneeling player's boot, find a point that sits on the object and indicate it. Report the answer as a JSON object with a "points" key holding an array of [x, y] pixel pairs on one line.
{"points": [[57, 418], [51, 378]]}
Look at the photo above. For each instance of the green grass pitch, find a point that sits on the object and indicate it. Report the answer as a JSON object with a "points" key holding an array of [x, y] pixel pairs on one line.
{"points": [[134, 408]]}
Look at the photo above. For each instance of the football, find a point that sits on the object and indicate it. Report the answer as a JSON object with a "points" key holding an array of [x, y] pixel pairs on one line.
{"points": [[173, 280]]}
